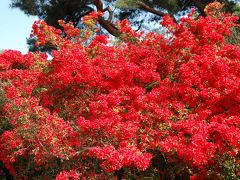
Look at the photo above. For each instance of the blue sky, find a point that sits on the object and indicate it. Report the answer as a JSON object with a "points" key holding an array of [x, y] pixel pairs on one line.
{"points": [[15, 27]]}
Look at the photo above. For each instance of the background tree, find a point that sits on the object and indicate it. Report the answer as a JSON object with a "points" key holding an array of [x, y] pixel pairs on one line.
{"points": [[134, 10], [143, 14]]}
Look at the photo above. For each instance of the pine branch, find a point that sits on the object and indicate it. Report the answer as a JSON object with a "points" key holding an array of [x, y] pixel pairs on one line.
{"points": [[106, 24], [153, 11]]}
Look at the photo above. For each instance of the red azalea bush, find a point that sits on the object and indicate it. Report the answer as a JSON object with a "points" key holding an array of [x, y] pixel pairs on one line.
{"points": [[148, 106]]}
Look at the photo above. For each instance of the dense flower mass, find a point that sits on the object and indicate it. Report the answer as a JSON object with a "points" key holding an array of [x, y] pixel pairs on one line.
{"points": [[147, 106]]}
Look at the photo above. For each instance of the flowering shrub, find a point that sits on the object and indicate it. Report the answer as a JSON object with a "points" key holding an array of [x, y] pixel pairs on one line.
{"points": [[146, 107]]}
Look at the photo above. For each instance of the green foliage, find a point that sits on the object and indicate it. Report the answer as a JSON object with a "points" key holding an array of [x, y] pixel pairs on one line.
{"points": [[170, 5], [51, 11], [233, 8], [4, 123], [32, 48], [229, 168], [235, 31], [127, 4], [235, 36], [173, 6]]}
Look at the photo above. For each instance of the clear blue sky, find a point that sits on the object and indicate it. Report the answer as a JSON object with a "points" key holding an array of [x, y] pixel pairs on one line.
{"points": [[15, 27]]}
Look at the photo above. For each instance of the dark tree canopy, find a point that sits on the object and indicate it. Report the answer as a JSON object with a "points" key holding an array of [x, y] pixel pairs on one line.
{"points": [[137, 11], [53, 10]]}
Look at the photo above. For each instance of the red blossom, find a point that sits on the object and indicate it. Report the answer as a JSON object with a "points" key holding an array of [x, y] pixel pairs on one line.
{"points": [[160, 106]]}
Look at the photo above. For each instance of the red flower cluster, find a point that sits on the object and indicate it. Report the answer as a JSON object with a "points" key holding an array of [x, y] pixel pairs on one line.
{"points": [[147, 106]]}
